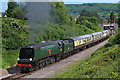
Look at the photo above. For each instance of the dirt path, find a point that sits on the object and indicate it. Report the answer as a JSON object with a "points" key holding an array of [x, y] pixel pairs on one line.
{"points": [[50, 71], [3, 72]]}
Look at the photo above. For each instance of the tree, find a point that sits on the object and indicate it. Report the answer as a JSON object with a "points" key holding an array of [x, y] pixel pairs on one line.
{"points": [[19, 13], [60, 13], [97, 16], [11, 5], [16, 10], [85, 13], [112, 16], [119, 14], [14, 35]]}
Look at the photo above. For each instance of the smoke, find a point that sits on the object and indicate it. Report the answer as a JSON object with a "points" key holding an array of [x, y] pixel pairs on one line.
{"points": [[38, 14]]}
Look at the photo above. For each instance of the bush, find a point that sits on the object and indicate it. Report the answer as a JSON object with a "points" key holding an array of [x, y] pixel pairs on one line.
{"points": [[102, 64], [89, 22], [14, 35], [116, 38], [9, 58]]}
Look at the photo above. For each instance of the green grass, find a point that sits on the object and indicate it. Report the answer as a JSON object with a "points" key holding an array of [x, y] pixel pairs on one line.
{"points": [[14, 36], [9, 58], [102, 64]]}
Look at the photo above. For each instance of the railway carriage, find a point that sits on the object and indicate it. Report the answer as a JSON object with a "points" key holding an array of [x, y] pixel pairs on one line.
{"points": [[76, 41], [97, 36], [81, 41], [106, 33], [86, 39]]}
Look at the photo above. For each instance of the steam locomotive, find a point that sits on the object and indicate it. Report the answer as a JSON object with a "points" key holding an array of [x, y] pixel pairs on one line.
{"points": [[40, 54]]}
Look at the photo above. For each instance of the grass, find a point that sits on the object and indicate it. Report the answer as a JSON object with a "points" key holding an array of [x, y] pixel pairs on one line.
{"points": [[9, 58], [102, 64]]}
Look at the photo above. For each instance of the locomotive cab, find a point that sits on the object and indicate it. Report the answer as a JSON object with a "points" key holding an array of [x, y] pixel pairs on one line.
{"points": [[26, 53], [25, 59]]}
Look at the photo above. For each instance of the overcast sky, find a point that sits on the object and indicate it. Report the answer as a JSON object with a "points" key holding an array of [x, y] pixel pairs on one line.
{"points": [[3, 3]]}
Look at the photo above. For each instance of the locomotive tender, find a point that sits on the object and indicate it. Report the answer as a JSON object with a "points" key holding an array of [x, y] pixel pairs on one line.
{"points": [[40, 54]]}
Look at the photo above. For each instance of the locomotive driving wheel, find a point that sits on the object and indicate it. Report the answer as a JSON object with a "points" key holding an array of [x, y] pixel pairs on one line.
{"points": [[46, 62], [43, 63], [52, 60]]}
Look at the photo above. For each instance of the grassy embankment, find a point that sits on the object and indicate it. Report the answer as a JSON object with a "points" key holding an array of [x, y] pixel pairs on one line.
{"points": [[103, 63]]}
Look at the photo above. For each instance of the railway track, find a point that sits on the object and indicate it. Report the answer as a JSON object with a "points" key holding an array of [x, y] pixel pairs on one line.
{"points": [[21, 75], [14, 76]]}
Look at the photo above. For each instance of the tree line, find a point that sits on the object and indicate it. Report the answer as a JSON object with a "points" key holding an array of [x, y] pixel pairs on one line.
{"points": [[103, 10], [63, 26]]}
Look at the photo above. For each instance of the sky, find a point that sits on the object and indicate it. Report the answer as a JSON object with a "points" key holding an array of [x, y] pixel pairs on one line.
{"points": [[90, 1], [3, 3]]}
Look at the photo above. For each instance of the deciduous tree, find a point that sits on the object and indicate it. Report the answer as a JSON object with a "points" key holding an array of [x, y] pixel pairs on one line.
{"points": [[11, 6], [85, 13]]}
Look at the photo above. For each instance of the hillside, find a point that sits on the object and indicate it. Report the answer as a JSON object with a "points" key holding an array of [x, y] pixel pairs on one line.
{"points": [[103, 9], [101, 64], [15, 34]]}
